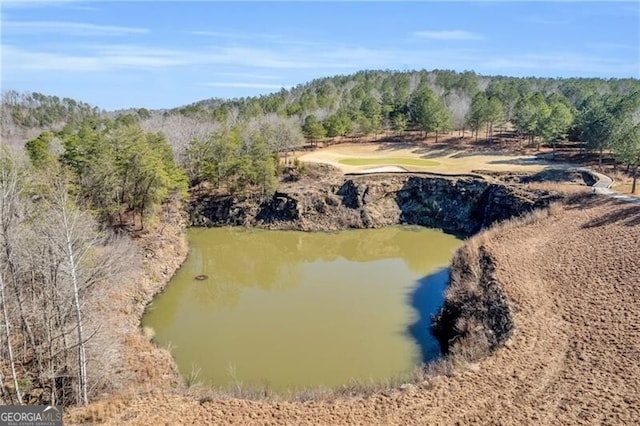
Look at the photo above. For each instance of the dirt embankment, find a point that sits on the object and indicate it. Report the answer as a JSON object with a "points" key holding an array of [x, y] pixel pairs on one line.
{"points": [[572, 284], [326, 200], [126, 357]]}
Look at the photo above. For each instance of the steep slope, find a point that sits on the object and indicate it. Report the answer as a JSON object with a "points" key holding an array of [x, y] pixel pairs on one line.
{"points": [[573, 284], [326, 200]]}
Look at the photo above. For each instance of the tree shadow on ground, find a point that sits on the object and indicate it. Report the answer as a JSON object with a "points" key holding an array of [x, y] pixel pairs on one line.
{"points": [[493, 153], [435, 152], [586, 201], [629, 215], [398, 146], [533, 161], [427, 299]]}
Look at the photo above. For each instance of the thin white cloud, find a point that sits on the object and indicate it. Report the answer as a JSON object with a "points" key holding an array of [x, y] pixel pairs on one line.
{"points": [[246, 85], [113, 57], [247, 76], [54, 4], [266, 58], [236, 36], [261, 66], [449, 35], [263, 38], [562, 63], [545, 20], [621, 9], [105, 59], [69, 28], [20, 4], [610, 46]]}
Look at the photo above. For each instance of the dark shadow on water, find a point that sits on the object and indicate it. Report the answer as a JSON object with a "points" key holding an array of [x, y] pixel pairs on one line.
{"points": [[427, 299]]}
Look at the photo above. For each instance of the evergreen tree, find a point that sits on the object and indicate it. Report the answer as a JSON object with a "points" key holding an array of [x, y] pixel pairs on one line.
{"points": [[313, 129], [428, 112]]}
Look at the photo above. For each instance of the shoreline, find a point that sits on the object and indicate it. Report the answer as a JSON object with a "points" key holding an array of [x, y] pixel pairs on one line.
{"points": [[150, 367], [470, 358]]}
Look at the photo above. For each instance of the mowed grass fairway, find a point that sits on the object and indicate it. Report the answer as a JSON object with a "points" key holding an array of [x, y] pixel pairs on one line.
{"points": [[355, 158], [388, 162]]}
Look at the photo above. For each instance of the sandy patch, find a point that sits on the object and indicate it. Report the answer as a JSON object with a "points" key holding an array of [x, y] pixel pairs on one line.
{"points": [[385, 169], [625, 188]]}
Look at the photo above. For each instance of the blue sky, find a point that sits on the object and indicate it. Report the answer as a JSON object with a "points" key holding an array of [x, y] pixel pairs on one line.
{"points": [[164, 54]]}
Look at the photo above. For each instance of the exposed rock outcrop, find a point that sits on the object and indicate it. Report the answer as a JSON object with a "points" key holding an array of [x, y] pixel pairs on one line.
{"points": [[475, 306], [457, 204]]}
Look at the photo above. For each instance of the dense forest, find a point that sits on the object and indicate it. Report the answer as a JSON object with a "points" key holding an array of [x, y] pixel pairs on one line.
{"points": [[542, 110], [79, 176]]}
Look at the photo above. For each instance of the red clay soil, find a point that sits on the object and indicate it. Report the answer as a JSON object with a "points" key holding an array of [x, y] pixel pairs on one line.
{"points": [[573, 280]]}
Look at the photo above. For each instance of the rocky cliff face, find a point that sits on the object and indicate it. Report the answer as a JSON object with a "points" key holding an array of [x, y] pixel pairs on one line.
{"points": [[459, 204]]}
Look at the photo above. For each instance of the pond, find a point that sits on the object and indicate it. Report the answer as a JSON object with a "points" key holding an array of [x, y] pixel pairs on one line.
{"points": [[288, 310]]}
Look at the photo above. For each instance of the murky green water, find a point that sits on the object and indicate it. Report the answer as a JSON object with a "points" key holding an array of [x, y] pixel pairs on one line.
{"points": [[290, 310]]}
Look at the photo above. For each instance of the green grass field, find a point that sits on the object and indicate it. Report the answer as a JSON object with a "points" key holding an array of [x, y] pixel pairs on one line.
{"points": [[388, 162]]}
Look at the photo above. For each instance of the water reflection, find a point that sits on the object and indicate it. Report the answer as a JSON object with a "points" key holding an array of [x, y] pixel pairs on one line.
{"points": [[271, 259], [426, 299], [301, 309]]}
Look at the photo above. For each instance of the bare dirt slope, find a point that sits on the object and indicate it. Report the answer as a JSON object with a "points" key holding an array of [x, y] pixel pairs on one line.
{"points": [[574, 283]]}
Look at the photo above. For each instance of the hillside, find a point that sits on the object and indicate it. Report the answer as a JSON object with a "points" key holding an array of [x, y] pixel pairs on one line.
{"points": [[120, 171], [362, 103], [370, 104], [569, 361]]}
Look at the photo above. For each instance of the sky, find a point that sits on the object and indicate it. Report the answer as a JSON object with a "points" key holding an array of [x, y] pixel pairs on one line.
{"points": [[164, 54]]}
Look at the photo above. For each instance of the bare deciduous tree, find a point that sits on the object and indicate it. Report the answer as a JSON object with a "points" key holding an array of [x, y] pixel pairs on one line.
{"points": [[73, 234], [9, 197], [53, 260], [179, 130]]}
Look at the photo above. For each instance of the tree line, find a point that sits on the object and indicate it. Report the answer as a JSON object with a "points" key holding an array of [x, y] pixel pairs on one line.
{"points": [[54, 255], [541, 110], [118, 169], [63, 206]]}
